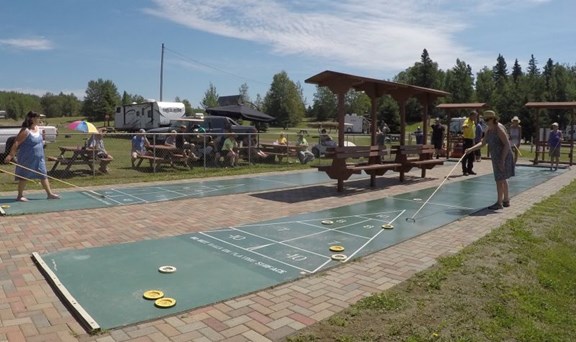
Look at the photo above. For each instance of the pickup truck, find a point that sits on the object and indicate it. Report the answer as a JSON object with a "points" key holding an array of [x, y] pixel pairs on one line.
{"points": [[9, 133], [211, 124]]}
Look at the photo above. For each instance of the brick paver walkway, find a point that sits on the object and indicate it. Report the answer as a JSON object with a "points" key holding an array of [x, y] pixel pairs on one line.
{"points": [[30, 311]]}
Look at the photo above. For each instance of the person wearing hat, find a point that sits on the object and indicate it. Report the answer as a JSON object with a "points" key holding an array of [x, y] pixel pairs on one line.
{"points": [[500, 153], [554, 141], [468, 135], [437, 138], [28, 147], [515, 132]]}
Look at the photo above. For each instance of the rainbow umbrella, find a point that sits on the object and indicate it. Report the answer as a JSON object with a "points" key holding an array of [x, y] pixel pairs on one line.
{"points": [[83, 126]]}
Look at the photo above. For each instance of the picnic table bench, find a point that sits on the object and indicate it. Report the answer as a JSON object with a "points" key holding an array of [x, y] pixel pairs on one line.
{"points": [[162, 154], [75, 155], [280, 151], [370, 162], [420, 156]]}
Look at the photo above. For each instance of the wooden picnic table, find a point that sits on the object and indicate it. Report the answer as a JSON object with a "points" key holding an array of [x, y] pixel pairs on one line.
{"points": [[279, 150], [163, 154], [74, 155]]}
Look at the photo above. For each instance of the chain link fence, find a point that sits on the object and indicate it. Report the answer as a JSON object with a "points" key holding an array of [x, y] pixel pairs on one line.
{"points": [[117, 155]]}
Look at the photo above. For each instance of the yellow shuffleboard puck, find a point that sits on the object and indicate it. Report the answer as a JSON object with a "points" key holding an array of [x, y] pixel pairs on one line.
{"points": [[387, 226], [336, 248], [165, 302], [153, 294], [327, 222]]}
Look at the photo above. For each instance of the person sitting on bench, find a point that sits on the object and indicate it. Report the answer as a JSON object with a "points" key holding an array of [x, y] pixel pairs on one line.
{"points": [[96, 142]]}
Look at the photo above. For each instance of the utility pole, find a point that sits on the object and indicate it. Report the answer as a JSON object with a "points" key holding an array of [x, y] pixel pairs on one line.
{"points": [[161, 71]]}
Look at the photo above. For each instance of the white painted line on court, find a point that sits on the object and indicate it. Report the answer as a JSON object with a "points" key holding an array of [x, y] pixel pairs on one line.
{"points": [[367, 242], [275, 242], [437, 204], [318, 219], [337, 229], [131, 196], [260, 254], [99, 199]]}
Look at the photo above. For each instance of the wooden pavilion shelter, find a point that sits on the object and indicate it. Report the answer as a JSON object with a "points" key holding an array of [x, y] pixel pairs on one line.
{"points": [[340, 84], [541, 141], [450, 108]]}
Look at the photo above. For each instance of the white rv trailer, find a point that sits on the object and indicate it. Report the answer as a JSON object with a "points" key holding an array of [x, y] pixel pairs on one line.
{"points": [[147, 115]]}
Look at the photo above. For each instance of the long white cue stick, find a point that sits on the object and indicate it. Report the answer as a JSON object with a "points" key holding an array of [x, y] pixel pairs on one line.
{"points": [[411, 219], [15, 175], [61, 181]]}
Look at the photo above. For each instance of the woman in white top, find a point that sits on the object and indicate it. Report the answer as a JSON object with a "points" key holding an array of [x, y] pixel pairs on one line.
{"points": [[515, 132]]}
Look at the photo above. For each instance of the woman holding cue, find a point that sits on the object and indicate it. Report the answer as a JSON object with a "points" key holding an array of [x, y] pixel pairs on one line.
{"points": [[501, 154], [29, 149]]}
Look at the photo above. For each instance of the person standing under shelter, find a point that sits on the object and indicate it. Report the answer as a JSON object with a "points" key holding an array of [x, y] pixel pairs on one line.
{"points": [[438, 136], [28, 148], [419, 135], [468, 136], [515, 132], [501, 154], [554, 142]]}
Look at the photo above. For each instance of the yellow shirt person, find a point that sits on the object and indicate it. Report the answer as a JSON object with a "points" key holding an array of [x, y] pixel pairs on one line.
{"points": [[469, 128]]}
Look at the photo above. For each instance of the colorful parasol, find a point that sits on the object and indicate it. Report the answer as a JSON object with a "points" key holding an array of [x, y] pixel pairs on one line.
{"points": [[83, 126]]}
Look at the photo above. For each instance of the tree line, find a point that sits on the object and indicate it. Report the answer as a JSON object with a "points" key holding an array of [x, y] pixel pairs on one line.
{"points": [[504, 89]]}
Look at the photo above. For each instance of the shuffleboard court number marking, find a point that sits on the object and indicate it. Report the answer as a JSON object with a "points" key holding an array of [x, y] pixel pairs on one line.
{"points": [[296, 257], [368, 226], [237, 237], [282, 229]]}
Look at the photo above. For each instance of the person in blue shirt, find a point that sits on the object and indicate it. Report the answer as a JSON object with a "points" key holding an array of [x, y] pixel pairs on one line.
{"points": [[139, 144]]}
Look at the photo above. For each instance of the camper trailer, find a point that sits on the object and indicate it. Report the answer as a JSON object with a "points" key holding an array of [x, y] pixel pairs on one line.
{"points": [[147, 115], [356, 123]]}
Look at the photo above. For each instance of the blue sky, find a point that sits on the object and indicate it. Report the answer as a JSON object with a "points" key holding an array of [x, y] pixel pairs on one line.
{"points": [[61, 45]]}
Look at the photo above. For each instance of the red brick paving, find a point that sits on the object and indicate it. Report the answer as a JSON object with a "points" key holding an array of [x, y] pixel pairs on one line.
{"points": [[30, 311]]}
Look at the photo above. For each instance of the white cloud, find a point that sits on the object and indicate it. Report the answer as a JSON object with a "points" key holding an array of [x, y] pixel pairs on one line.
{"points": [[376, 35], [27, 44]]}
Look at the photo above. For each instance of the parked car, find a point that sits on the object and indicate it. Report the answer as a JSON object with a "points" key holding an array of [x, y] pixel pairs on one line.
{"points": [[211, 124]]}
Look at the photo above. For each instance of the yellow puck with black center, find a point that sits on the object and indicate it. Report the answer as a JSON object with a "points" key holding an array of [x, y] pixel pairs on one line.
{"points": [[336, 248]]}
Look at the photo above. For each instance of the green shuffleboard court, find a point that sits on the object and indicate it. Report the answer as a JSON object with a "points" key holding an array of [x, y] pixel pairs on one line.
{"points": [[117, 196], [104, 286]]}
